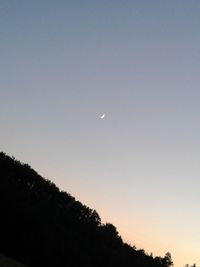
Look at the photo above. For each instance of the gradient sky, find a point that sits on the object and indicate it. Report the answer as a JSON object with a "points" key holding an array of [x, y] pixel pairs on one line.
{"points": [[64, 63]]}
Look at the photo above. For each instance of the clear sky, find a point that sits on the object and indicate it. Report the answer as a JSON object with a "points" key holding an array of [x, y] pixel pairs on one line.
{"points": [[63, 64]]}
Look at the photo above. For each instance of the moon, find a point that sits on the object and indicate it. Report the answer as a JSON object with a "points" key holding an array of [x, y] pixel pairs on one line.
{"points": [[102, 116]]}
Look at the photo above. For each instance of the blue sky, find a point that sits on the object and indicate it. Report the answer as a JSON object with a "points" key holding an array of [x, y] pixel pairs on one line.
{"points": [[65, 63]]}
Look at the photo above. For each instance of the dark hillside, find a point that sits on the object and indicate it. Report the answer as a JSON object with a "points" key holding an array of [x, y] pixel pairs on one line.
{"points": [[43, 226], [7, 262]]}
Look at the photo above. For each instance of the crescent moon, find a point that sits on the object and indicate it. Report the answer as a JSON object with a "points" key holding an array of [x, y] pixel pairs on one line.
{"points": [[102, 116]]}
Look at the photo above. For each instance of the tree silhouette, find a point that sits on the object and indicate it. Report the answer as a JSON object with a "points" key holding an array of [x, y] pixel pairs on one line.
{"points": [[167, 260], [43, 226]]}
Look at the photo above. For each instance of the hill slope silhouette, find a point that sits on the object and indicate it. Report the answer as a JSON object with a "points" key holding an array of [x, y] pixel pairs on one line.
{"points": [[7, 262], [42, 226]]}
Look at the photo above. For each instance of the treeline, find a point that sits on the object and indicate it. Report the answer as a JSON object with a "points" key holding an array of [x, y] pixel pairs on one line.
{"points": [[42, 226]]}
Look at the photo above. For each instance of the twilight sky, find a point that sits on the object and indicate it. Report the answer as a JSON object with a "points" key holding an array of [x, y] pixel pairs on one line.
{"points": [[63, 64]]}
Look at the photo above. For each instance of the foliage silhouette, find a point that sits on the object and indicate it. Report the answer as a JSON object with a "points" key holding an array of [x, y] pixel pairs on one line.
{"points": [[7, 262], [43, 226]]}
